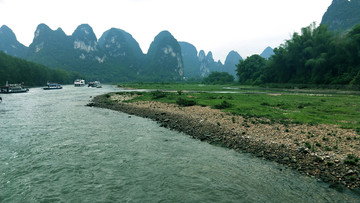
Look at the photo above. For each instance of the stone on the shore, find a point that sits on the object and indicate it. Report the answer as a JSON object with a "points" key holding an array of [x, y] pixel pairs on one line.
{"points": [[350, 172]]}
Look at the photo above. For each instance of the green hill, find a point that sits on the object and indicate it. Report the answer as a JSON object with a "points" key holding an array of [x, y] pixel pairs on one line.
{"points": [[16, 70], [342, 15]]}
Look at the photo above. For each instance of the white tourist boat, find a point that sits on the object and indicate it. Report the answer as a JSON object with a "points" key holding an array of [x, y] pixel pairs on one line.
{"points": [[79, 83], [96, 84], [13, 88], [52, 86]]}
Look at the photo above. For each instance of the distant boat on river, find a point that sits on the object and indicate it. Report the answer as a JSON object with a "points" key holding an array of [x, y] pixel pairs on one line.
{"points": [[13, 88], [79, 83], [52, 86], [96, 84]]}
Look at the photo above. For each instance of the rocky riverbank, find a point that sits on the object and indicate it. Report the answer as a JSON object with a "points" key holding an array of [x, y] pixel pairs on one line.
{"points": [[287, 144]]}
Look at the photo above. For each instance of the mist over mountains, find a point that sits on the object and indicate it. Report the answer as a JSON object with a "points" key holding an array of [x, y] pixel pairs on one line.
{"points": [[116, 55]]}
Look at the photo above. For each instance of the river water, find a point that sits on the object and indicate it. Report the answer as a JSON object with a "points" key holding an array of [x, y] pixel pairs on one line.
{"points": [[53, 148]]}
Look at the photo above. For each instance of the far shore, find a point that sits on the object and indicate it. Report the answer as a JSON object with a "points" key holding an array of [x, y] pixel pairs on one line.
{"points": [[274, 142]]}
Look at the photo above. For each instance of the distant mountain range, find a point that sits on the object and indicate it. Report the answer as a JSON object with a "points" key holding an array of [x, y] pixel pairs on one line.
{"points": [[116, 55], [342, 15]]}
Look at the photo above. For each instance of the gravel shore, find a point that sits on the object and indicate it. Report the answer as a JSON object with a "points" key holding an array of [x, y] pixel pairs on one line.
{"points": [[292, 145]]}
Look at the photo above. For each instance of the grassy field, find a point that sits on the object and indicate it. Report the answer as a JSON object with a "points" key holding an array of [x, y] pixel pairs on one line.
{"points": [[278, 105]]}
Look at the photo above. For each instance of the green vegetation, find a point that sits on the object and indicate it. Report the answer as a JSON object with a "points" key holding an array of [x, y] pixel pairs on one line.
{"points": [[162, 65], [219, 78], [185, 102], [158, 94], [224, 105], [284, 107], [342, 15], [15, 70], [351, 159], [250, 70], [316, 56], [172, 86]]}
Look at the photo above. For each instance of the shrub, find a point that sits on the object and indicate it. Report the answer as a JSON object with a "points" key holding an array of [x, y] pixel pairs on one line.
{"points": [[352, 178], [351, 159], [223, 105], [318, 159], [158, 94], [185, 102], [330, 163], [219, 78], [233, 119], [265, 104]]}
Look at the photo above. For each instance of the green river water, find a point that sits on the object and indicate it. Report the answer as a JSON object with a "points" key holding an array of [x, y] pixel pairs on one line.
{"points": [[53, 148]]}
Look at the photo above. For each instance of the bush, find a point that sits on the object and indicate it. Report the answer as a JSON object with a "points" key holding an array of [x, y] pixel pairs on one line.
{"points": [[223, 105], [219, 78], [185, 102], [329, 163], [158, 94], [351, 159]]}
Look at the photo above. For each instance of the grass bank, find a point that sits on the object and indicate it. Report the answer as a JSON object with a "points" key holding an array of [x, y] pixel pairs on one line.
{"points": [[306, 106]]}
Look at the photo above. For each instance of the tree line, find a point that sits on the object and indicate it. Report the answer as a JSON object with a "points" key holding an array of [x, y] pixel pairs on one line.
{"points": [[316, 56], [16, 70]]}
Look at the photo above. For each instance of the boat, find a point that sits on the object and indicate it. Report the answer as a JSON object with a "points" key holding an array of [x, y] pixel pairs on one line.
{"points": [[79, 83], [52, 86], [13, 88], [96, 84]]}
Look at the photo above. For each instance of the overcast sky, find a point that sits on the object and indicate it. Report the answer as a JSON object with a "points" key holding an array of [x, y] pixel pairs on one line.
{"points": [[245, 26]]}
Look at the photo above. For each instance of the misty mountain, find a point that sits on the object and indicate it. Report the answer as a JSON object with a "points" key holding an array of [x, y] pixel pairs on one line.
{"points": [[163, 59], [190, 59], [232, 59], [208, 64], [51, 48], [267, 52], [120, 45], [122, 54], [84, 42], [9, 44], [342, 15], [201, 65], [116, 55]]}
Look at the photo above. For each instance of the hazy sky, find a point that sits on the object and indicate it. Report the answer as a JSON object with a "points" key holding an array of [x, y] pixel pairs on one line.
{"points": [[246, 26]]}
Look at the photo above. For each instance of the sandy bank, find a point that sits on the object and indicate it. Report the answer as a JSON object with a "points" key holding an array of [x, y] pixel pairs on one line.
{"points": [[289, 144]]}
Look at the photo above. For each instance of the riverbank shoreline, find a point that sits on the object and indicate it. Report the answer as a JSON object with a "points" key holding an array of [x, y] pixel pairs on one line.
{"points": [[273, 142]]}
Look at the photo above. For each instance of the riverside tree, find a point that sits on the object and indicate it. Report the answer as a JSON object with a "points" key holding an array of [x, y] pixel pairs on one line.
{"points": [[315, 56], [219, 78]]}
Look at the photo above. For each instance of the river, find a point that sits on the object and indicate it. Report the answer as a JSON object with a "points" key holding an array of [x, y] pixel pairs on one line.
{"points": [[53, 148]]}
